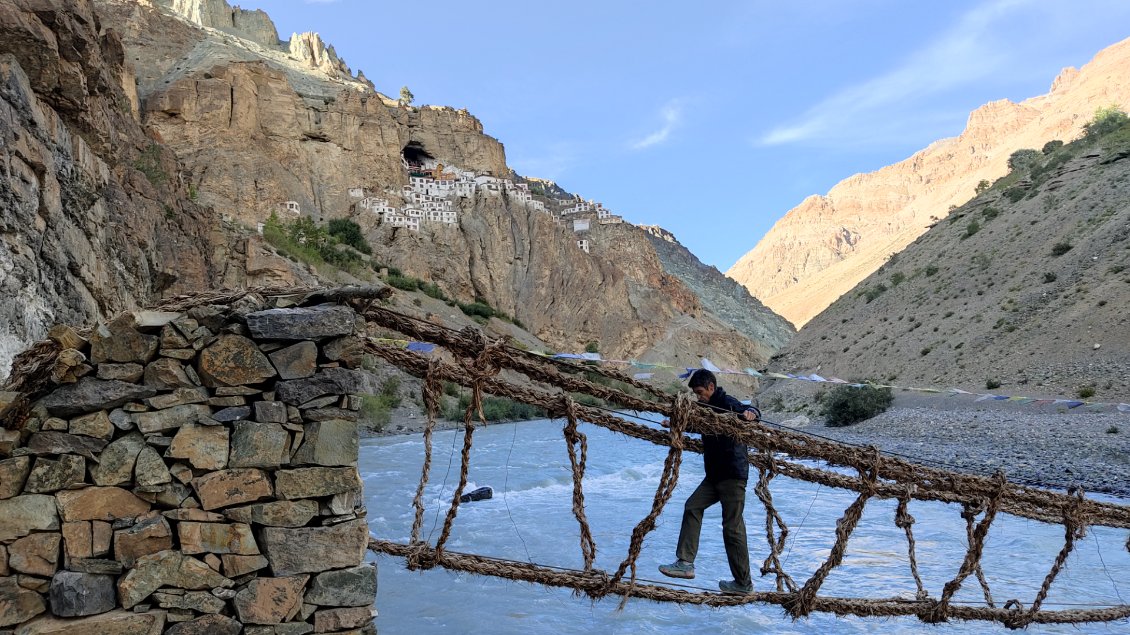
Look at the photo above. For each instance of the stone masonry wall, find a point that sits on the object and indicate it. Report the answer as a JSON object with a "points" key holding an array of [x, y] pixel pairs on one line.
{"points": [[194, 473]]}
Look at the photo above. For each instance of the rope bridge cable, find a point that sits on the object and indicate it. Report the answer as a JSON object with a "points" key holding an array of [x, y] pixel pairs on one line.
{"points": [[775, 452]]}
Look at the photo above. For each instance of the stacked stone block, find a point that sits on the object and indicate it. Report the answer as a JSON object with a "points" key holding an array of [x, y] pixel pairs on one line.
{"points": [[192, 473]]}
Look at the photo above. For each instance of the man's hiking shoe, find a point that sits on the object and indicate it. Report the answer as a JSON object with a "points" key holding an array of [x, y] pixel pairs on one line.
{"points": [[731, 587], [678, 569]]}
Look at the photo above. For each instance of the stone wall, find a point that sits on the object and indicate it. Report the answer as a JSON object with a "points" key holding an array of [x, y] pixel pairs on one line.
{"points": [[193, 473]]}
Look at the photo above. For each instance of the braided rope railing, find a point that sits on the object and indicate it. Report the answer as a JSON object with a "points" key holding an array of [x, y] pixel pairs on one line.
{"points": [[775, 453], [478, 364]]}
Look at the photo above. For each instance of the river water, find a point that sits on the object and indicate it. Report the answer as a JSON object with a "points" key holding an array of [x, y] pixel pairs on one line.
{"points": [[530, 519]]}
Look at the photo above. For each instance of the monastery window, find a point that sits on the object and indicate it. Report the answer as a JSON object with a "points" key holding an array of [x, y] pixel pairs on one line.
{"points": [[584, 245]]}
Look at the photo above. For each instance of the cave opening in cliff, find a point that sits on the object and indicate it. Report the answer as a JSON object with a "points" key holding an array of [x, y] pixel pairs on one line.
{"points": [[416, 157]]}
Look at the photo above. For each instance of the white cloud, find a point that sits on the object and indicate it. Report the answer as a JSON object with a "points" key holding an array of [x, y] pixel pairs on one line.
{"points": [[672, 116], [964, 54]]}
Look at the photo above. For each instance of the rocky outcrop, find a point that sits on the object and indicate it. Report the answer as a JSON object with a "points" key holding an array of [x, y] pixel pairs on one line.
{"points": [[256, 130], [253, 25], [1026, 295], [94, 217], [188, 534], [828, 244]]}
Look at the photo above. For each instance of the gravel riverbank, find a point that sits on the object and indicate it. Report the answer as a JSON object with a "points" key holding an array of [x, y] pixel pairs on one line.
{"points": [[1033, 445]]}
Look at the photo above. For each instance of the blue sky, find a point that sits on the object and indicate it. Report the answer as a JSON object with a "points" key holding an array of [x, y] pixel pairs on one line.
{"points": [[715, 118]]}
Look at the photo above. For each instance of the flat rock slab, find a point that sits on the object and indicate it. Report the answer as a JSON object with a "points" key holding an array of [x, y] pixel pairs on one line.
{"points": [[205, 447], [152, 535], [63, 443], [99, 503], [112, 623], [95, 424], [333, 442], [219, 538], [171, 418], [232, 487], [22, 515], [355, 586], [314, 482], [90, 394], [115, 465], [207, 625], [270, 600], [330, 381], [13, 473], [120, 342], [235, 565], [276, 513], [36, 554], [167, 568], [255, 444], [302, 323], [76, 594], [334, 620], [53, 475], [315, 549], [296, 361]]}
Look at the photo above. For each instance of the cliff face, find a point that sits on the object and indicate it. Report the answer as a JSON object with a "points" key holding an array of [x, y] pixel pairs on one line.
{"points": [[1023, 288], [257, 126], [827, 244], [93, 218]]}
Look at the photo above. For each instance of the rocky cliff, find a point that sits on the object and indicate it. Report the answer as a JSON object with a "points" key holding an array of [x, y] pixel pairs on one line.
{"points": [[827, 244], [93, 215], [1024, 289], [257, 126]]}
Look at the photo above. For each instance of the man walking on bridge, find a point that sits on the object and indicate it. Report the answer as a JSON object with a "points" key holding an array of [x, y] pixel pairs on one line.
{"points": [[727, 470]]}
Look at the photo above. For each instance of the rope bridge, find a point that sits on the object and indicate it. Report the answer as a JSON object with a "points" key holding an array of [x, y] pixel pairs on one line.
{"points": [[477, 363], [494, 367]]}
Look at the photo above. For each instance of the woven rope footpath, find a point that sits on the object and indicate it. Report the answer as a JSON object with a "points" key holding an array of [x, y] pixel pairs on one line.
{"points": [[547, 384]]}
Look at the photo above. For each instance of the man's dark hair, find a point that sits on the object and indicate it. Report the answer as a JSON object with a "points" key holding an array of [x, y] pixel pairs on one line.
{"points": [[701, 377]]}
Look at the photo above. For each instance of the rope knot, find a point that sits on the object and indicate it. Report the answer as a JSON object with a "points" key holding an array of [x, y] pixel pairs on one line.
{"points": [[420, 556]]}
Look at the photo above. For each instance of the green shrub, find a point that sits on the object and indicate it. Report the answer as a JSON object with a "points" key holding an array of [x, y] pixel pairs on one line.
{"points": [[494, 409], [1022, 159], [1050, 277], [1059, 249], [972, 228], [1086, 392], [1051, 146], [376, 410], [1112, 430], [592, 347], [1014, 194], [990, 213], [432, 289], [845, 405], [348, 232], [149, 164], [477, 308], [874, 292], [992, 384], [1106, 120], [931, 270], [897, 278], [982, 186], [404, 283]]}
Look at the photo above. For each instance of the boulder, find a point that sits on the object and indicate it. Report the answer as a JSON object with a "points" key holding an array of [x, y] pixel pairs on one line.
{"points": [[270, 412], [256, 444], [76, 594], [314, 482], [148, 536], [18, 604], [90, 394], [270, 600], [232, 487], [315, 549], [166, 568], [302, 323], [51, 476], [150, 469], [13, 474], [355, 586], [233, 360], [204, 447], [234, 413], [167, 374], [179, 397], [21, 515], [37, 554], [95, 424], [99, 503], [333, 442], [296, 361], [115, 464], [120, 342]]}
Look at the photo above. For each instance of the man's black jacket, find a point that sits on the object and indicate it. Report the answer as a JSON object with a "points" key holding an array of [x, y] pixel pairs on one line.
{"points": [[723, 457]]}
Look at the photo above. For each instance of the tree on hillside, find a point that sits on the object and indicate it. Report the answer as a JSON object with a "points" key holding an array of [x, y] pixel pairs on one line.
{"points": [[406, 96], [1106, 120], [1023, 159], [1051, 146], [982, 186]]}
